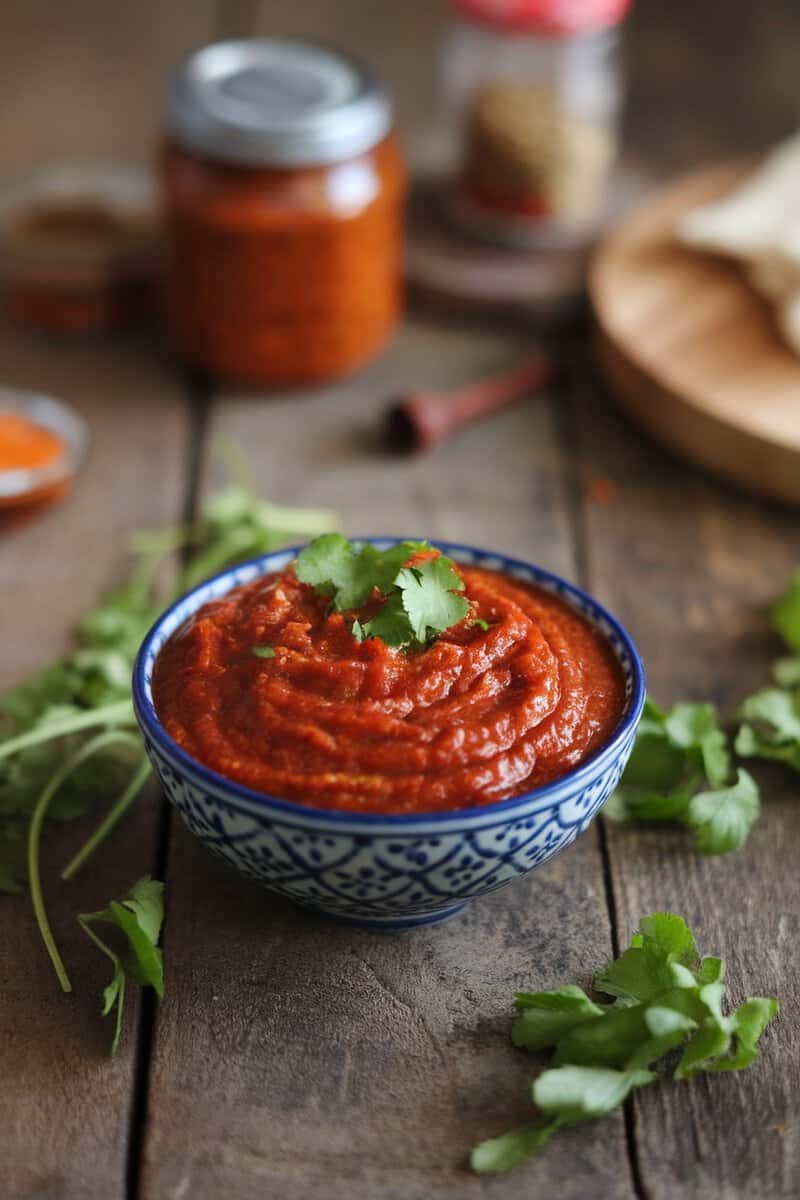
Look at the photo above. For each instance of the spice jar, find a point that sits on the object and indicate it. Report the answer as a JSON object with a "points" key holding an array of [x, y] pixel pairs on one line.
{"points": [[284, 190], [533, 90]]}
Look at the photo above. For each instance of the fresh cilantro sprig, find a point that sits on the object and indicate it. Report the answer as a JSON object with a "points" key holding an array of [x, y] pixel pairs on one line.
{"points": [[666, 998], [139, 915], [68, 735], [418, 600], [680, 770], [771, 718]]}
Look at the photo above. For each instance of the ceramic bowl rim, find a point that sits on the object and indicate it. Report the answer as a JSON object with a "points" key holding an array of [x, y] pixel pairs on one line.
{"points": [[557, 790]]}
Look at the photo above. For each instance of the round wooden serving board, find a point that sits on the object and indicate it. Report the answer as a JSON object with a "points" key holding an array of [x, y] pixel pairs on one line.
{"points": [[691, 350]]}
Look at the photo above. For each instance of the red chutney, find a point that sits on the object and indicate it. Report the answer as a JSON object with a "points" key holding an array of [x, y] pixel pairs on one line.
{"points": [[477, 717]]}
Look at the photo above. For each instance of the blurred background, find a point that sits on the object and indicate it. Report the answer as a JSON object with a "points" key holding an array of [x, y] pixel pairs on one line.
{"points": [[87, 78]]}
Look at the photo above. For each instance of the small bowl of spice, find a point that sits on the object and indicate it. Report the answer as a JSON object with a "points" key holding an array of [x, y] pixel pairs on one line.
{"points": [[43, 444], [78, 247]]}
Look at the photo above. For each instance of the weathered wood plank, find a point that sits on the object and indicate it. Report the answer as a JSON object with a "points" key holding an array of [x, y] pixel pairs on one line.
{"points": [[64, 1106], [689, 566], [293, 1055], [86, 80]]}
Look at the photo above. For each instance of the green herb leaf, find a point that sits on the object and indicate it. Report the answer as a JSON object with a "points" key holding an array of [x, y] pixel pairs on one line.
{"points": [[139, 915], [544, 1017], [663, 941], [66, 734], [666, 998], [419, 601], [263, 651], [786, 672], [430, 597], [785, 613], [334, 567], [579, 1093], [511, 1149], [390, 624], [771, 726], [723, 818]]}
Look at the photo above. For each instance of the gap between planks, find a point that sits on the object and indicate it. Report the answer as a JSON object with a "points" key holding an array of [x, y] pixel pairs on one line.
{"points": [[565, 415], [198, 392]]}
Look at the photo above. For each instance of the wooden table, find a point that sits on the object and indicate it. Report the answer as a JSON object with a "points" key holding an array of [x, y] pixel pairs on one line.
{"points": [[293, 1058]]}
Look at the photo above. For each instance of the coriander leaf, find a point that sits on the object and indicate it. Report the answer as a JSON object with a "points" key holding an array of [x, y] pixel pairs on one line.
{"points": [[328, 564], [772, 726], [691, 726], [578, 1093], [645, 969], [544, 1017], [752, 744], [390, 623], [668, 1028], [334, 567], [666, 935], [139, 915], [703, 1048], [776, 710], [723, 819], [786, 672], [665, 998], [429, 596], [263, 651], [711, 970], [749, 1022], [358, 631], [606, 1041], [146, 901], [479, 623], [785, 613], [510, 1149], [385, 565]]}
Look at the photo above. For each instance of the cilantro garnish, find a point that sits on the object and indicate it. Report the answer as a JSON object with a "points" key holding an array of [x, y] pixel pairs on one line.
{"points": [[666, 998], [263, 651], [68, 736], [419, 601]]}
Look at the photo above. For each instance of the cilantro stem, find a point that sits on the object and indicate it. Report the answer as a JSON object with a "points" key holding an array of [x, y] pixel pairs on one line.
{"points": [[84, 920], [118, 810], [35, 836], [118, 713]]}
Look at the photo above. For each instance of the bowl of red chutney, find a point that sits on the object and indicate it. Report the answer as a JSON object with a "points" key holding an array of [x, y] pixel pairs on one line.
{"points": [[381, 781]]}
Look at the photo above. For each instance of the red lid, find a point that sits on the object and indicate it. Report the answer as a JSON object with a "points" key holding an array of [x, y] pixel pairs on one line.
{"points": [[554, 17]]}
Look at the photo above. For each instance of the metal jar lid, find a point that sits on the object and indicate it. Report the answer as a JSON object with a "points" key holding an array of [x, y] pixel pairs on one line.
{"points": [[276, 102]]}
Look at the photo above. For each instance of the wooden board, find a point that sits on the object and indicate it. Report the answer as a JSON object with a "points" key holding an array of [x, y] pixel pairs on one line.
{"points": [[294, 1057], [690, 569], [691, 351]]}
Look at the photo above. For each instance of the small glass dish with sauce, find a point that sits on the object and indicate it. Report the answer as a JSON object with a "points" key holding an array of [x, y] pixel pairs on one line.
{"points": [[78, 247], [43, 444]]}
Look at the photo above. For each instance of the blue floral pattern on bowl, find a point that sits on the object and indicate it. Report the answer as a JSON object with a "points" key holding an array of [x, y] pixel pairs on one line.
{"points": [[385, 871]]}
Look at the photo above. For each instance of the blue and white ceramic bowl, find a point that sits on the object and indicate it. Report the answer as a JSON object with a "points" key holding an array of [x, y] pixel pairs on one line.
{"points": [[390, 872]]}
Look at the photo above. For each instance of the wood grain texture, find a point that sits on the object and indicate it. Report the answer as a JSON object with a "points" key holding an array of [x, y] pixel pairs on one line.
{"points": [[294, 1057], [64, 1106], [690, 567], [693, 353], [86, 80]]}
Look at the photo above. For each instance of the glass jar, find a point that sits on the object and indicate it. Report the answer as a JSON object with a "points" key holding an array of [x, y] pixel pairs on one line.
{"points": [[532, 93], [284, 190]]}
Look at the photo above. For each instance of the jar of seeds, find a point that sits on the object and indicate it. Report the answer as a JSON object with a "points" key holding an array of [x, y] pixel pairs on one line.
{"points": [[532, 89]]}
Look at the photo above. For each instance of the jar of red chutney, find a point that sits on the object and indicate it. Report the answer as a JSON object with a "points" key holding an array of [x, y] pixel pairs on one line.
{"points": [[284, 191], [532, 93]]}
